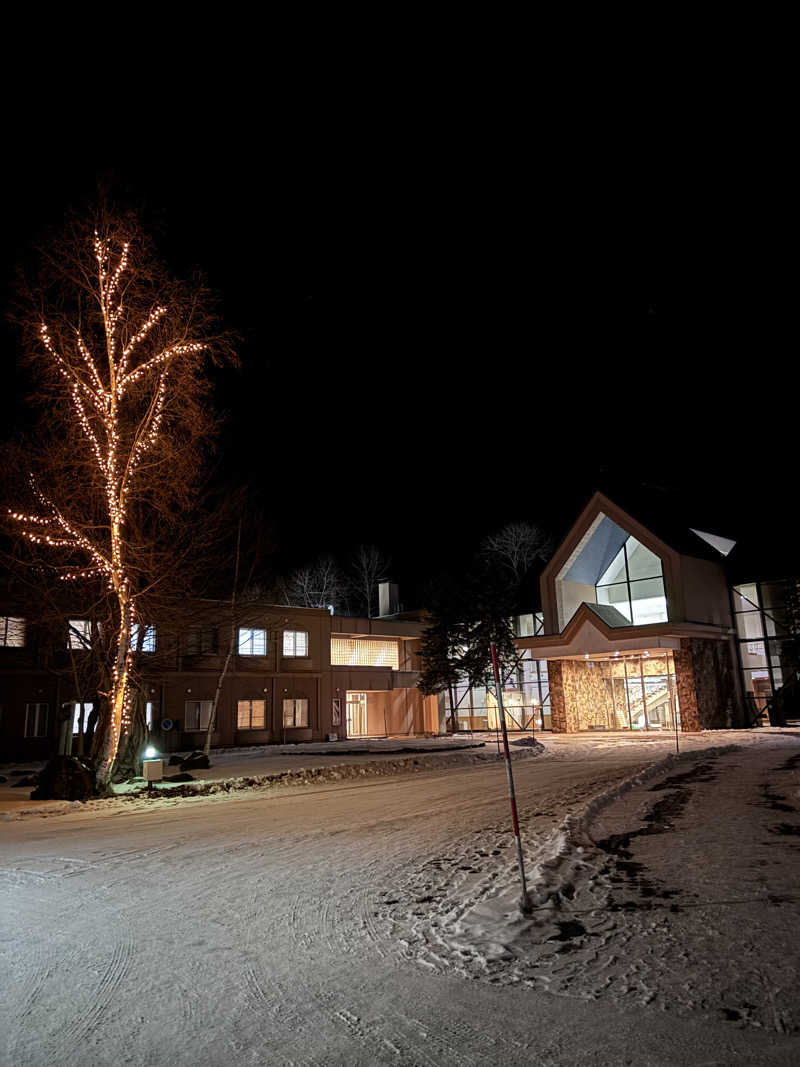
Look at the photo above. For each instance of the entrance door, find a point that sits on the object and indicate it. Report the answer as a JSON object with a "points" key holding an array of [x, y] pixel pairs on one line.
{"points": [[356, 714]]}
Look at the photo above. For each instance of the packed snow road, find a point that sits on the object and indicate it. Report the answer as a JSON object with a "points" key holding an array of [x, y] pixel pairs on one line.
{"points": [[325, 926]]}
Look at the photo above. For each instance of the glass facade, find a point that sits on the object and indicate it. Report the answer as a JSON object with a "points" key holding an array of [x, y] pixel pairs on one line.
{"points": [[626, 693], [526, 699], [767, 654], [529, 625]]}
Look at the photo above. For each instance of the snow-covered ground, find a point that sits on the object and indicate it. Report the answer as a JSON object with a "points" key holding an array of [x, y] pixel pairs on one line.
{"points": [[676, 888], [373, 921]]}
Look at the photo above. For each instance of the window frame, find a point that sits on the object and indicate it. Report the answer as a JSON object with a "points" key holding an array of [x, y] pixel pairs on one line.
{"points": [[262, 699], [5, 626], [200, 632], [73, 633], [201, 726], [295, 701], [38, 705], [295, 654], [629, 584], [150, 637], [88, 708], [252, 630]]}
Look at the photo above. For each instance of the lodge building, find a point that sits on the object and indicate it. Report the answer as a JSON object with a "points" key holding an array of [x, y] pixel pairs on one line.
{"points": [[651, 627], [643, 628], [297, 674]]}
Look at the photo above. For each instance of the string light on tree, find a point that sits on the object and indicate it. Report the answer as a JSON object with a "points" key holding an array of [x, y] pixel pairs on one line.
{"points": [[118, 385]]}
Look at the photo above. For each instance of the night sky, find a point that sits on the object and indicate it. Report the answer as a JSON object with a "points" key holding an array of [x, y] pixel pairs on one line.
{"points": [[446, 327]]}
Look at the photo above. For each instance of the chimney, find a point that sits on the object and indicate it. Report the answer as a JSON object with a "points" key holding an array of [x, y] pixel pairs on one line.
{"points": [[388, 599]]}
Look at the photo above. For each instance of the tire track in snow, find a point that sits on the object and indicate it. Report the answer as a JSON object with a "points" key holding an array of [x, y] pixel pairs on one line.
{"points": [[275, 1003], [69, 1042], [39, 956]]}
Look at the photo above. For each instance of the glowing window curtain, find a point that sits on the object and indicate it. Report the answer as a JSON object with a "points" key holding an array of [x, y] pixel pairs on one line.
{"points": [[251, 714], [358, 652]]}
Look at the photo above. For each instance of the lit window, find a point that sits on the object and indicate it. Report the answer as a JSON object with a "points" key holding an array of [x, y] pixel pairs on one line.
{"points": [[201, 640], [148, 638], [197, 714], [149, 714], [295, 712], [252, 642], [12, 632], [610, 567], [80, 717], [358, 652], [295, 643], [634, 585], [36, 720], [251, 714], [80, 633]]}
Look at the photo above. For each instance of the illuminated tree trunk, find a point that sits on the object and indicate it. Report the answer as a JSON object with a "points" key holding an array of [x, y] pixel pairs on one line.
{"points": [[113, 426], [119, 695]]}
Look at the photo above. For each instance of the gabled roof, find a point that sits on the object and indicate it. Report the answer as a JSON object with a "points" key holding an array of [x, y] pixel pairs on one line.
{"points": [[664, 515]]}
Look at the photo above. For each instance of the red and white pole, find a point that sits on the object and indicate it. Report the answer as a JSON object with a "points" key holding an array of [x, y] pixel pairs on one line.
{"points": [[525, 905]]}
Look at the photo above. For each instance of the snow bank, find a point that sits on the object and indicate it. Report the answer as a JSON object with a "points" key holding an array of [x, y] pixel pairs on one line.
{"points": [[164, 793]]}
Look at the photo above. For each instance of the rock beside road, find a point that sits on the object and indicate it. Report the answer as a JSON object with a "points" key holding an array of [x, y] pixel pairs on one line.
{"points": [[196, 761], [65, 778]]}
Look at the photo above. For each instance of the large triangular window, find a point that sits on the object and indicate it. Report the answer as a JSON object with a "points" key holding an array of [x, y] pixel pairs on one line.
{"points": [[610, 567]]}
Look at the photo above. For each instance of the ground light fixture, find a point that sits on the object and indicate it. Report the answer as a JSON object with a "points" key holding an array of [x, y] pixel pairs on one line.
{"points": [[152, 766]]}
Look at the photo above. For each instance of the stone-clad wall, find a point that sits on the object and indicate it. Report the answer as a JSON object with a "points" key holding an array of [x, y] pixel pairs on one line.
{"points": [[577, 696], [558, 713], [706, 684], [715, 683], [585, 696], [687, 692]]}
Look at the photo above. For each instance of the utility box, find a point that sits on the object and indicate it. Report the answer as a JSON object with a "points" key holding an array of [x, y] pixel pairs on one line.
{"points": [[152, 770]]}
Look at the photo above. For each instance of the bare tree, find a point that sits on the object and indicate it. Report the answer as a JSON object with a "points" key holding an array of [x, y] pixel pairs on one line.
{"points": [[517, 547], [212, 719], [368, 566], [319, 585], [119, 351]]}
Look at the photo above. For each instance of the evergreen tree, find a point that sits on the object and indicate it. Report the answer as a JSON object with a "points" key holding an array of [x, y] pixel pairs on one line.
{"points": [[490, 621], [443, 643], [466, 618]]}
